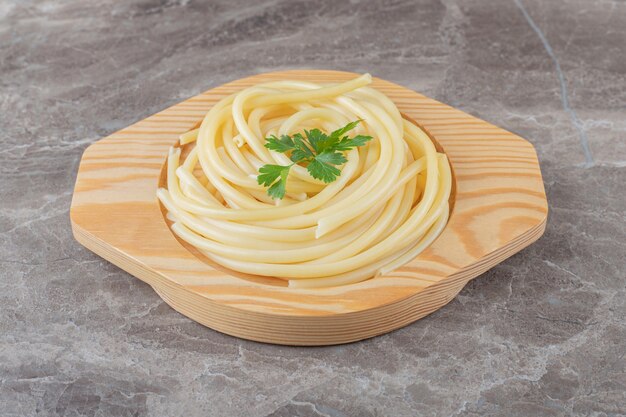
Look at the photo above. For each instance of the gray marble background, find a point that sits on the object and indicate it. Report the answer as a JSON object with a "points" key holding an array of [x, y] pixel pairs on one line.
{"points": [[542, 334]]}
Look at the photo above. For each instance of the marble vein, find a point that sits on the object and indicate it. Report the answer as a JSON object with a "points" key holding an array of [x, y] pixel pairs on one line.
{"points": [[582, 134]]}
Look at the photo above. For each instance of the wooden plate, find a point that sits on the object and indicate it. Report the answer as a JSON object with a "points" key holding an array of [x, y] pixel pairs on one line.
{"points": [[499, 207]]}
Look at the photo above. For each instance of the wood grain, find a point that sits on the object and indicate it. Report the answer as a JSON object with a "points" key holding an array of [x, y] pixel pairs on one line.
{"points": [[499, 208]]}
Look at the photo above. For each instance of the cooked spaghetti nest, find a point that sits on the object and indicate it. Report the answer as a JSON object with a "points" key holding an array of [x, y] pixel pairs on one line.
{"points": [[389, 203]]}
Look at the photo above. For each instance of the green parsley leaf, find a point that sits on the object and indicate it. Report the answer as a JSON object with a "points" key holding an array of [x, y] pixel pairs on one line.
{"points": [[346, 143], [340, 132], [284, 144], [314, 137], [302, 149], [331, 157], [319, 151], [277, 190], [269, 173], [323, 171], [336, 136], [274, 176]]}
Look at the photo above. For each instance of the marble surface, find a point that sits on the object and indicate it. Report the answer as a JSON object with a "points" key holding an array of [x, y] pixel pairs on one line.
{"points": [[542, 334]]}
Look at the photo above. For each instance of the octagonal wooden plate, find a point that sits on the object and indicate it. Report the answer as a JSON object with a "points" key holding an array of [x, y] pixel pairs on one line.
{"points": [[499, 207]]}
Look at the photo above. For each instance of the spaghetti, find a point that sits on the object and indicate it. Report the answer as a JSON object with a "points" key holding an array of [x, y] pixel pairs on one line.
{"points": [[388, 204]]}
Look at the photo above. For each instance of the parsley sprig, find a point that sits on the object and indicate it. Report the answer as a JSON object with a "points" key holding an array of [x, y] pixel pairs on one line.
{"points": [[320, 152]]}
